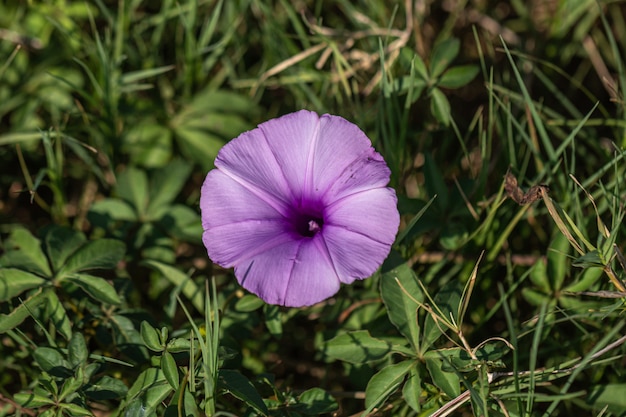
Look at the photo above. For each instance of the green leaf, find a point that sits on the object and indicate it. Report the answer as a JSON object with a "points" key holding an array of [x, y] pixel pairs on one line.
{"points": [[96, 254], [56, 313], [273, 320], [316, 401], [180, 280], [178, 345], [170, 370], [435, 183], [198, 145], [182, 222], [240, 387], [60, 242], [412, 389], [106, 388], [447, 300], [166, 183], [147, 393], [249, 303], [31, 400], [443, 54], [611, 395], [589, 260], [448, 382], [459, 76], [151, 337], [588, 277], [385, 382], [52, 362], [98, 288], [440, 106], [132, 187], [15, 281], [75, 409], [400, 291], [77, 350], [111, 209], [18, 315], [558, 262], [133, 77], [356, 347], [23, 251], [71, 385], [420, 67], [149, 144]]}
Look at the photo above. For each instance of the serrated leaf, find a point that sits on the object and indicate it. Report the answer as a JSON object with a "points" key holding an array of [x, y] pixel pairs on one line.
{"points": [[240, 387], [356, 347], [448, 382], [400, 291], [60, 242], [458, 76], [386, 382], [23, 251], [443, 54], [98, 288], [96, 254], [15, 281], [440, 106]]}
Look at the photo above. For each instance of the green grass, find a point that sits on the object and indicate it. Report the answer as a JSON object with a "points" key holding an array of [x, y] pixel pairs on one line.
{"points": [[111, 114]]}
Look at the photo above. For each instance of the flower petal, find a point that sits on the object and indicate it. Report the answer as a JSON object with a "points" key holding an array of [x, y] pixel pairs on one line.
{"points": [[294, 274], [224, 201], [341, 153], [368, 171], [249, 159], [292, 139], [230, 243], [355, 256], [372, 213]]}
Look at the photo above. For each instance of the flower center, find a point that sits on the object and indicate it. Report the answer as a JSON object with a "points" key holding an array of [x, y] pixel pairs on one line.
{"points": [[307, 225]]}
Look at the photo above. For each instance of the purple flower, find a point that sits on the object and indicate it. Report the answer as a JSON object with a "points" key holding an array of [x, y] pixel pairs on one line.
{"points": [[298, 206]]}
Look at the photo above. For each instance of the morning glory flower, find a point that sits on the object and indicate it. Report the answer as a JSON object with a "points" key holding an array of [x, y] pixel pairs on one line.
{"points": [[299, 206]]}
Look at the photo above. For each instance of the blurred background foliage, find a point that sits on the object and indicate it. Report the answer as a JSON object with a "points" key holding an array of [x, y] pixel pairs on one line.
{"points": [[111, 113]]}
